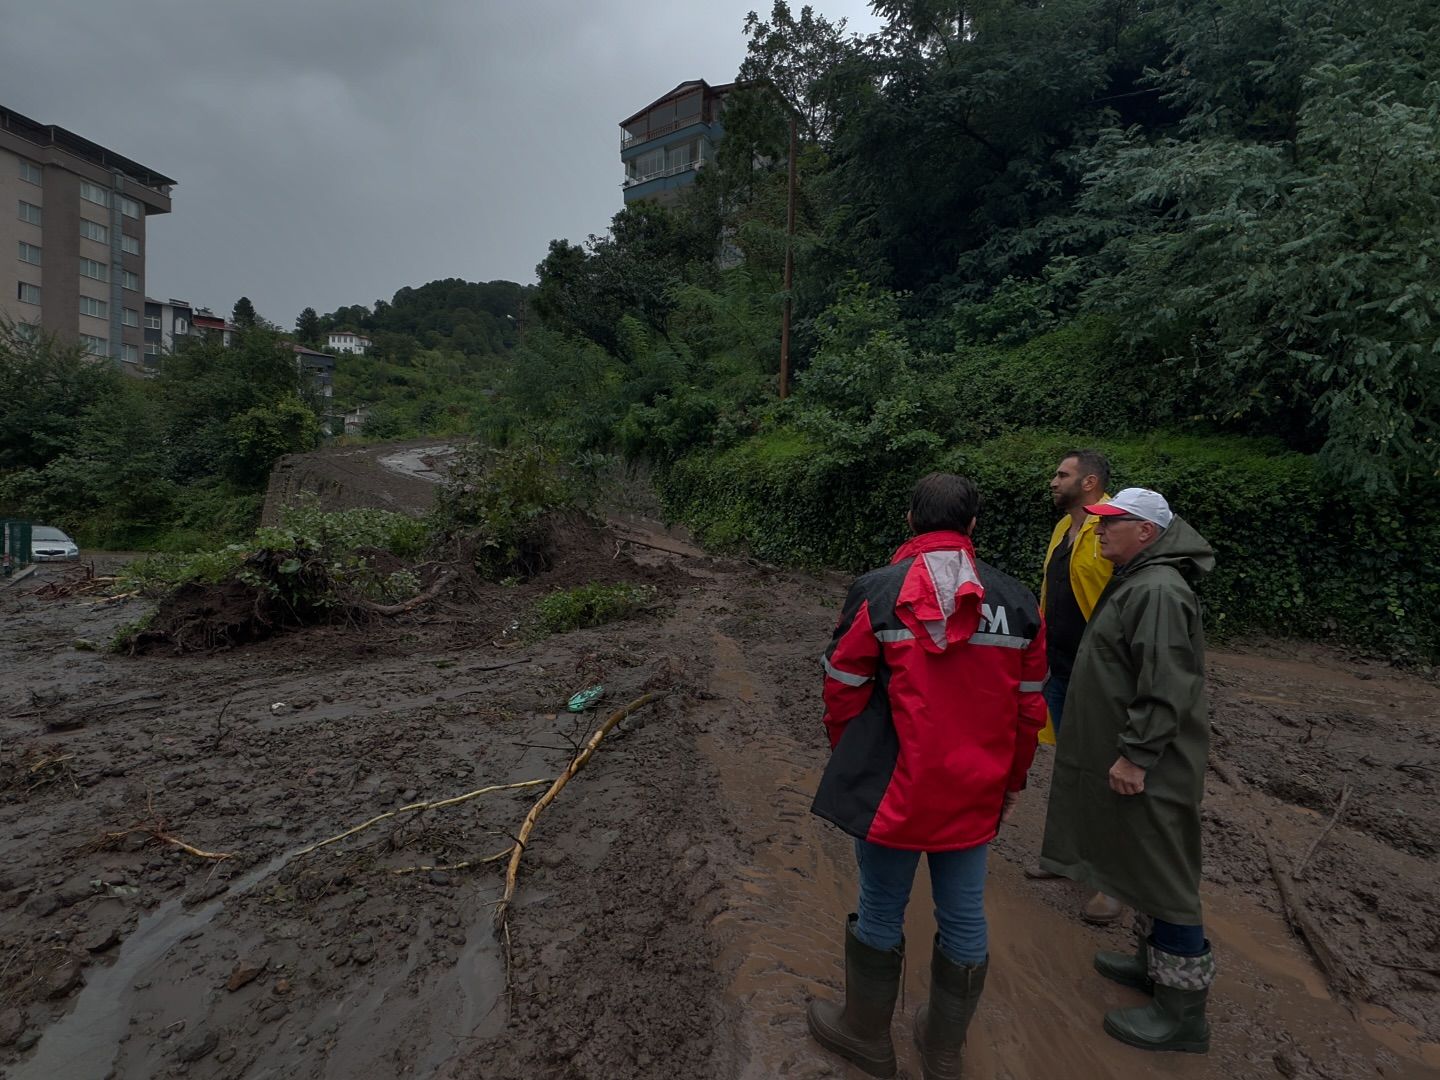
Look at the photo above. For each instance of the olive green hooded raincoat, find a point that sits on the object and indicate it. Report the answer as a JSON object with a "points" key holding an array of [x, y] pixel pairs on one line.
{"points": [[1138, 689]]}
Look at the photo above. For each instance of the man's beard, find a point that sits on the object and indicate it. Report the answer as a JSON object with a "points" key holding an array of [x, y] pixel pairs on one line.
{"points": [[1067, 500]]}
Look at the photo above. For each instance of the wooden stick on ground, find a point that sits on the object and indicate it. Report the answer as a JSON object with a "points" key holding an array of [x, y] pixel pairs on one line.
{"points": [[576, 764], [501, 854], [1299, 872], [166, 838], [433, 805], [1296, 914]]}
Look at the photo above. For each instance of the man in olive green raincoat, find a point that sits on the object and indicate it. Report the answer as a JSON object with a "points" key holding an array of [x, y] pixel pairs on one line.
{"points": [[1124, 814]]}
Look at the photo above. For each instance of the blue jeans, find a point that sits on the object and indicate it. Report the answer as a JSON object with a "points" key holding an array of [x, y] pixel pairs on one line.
{"points": [[957, 885], [1178, 939], [1055, 688]]}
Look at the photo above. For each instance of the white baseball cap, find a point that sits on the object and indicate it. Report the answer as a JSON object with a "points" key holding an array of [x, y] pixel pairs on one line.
{"points": [[1137, 502]]}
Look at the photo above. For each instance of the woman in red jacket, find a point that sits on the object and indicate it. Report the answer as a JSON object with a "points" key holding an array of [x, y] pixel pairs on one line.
{"points": [[933, 683]]}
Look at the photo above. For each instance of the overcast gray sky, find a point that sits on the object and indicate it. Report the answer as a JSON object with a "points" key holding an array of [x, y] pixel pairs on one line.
{"points": [[329, 152]]}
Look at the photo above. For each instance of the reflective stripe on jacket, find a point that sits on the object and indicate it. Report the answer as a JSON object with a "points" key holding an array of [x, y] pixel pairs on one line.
{"points": [[933, 684]]}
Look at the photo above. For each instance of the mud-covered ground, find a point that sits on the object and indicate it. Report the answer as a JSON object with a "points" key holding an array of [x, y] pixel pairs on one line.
{"points": [[677, 904]]}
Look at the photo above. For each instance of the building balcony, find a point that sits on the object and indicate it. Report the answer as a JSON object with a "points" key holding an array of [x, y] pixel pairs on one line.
{"points": [[673, 170]]}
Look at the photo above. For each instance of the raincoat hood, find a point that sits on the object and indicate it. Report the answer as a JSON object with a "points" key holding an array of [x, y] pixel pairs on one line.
{"points": [[1179, 546]]}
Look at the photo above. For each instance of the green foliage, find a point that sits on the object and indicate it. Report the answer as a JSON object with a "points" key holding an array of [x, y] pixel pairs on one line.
{"points": [[594, 604], [351, 530], [48, 386], [1294, 553], [496, 502]]}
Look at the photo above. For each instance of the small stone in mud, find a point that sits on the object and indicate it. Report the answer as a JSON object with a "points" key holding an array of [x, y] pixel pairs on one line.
{"points": [[207, 890], [245, 973], [552, 858], [273, 1011], [102, 938], [26, 1041], [63, 978], [364, 954], [197, 1046], [225, 1055], [439, 877], [281, 987], [43, 904], [12, 1022]]}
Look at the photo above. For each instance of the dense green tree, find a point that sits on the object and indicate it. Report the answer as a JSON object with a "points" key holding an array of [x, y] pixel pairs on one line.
{"points": [[243, 314], [307, 327]]}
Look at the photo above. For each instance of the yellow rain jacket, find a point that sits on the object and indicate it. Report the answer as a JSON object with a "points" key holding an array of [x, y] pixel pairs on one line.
{"points": [[1089, 574]]}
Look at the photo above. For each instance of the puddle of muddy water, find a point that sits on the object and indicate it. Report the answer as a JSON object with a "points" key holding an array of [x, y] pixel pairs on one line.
{"points": [[83, 1044]]}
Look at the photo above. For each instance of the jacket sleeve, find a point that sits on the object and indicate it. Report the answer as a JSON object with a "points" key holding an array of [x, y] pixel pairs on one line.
{"points": [[850, 663], [1169, 672], [1033, 673]]}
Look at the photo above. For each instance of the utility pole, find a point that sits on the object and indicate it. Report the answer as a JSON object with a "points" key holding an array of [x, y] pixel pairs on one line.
{"points": [[789, 273]]}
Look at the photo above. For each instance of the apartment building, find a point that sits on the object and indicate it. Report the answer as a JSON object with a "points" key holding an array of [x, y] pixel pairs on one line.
{"points": [[664, 144], [72, 237]]}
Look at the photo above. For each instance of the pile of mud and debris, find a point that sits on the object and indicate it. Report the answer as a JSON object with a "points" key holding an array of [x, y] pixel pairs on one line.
{"points": [[286, 857]]}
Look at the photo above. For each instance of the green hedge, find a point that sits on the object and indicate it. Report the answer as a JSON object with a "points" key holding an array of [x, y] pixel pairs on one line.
{"points": [[1294, 555]]}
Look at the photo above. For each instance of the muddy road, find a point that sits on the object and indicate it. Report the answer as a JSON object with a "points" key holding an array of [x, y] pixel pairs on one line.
{"points": [[678, 905]]}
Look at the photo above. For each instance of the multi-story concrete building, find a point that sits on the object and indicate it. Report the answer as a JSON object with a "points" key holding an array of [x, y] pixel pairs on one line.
{"points": [[348, 341], [72, 237], [664, 144]]}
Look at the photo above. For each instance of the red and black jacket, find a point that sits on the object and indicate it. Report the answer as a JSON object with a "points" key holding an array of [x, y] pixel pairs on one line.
{"points": [[933, 700]]}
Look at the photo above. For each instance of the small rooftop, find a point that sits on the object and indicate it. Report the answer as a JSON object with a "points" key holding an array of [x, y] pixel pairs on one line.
{"points": [[50, 135]]}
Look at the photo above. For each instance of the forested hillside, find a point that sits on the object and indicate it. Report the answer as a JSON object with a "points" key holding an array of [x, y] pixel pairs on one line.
{"points": [[1199, 235]]}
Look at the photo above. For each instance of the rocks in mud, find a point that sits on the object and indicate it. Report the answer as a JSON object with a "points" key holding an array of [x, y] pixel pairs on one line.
{"points": [[197, 1046], [206, 890], [63, 978], [101, 938], [440, 877], [42, 905], [246, 972], [12, 1023]]}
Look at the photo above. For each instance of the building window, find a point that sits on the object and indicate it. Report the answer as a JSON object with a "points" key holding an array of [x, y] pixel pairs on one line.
{"points": [[96, 309], [128, 207], [152, 322], [130, 317], [181, 326], [97, 345], [29, 212], [28, 293], [27, 331], [29, 253], [152, 349], [131, 353], [95, 270], [129, 244], [130, 281], [31, 172], [91, 230], [94, 193]]}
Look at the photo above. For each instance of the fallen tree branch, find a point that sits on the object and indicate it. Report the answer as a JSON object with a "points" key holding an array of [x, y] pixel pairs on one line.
{"points": [[1296, 914], [166, 838], [408, 605], [577, 763], [1299, 872], [418, 806], [503, 853], [1409, 967]]}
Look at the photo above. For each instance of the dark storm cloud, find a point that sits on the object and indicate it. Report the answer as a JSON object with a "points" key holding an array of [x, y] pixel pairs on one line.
{"points": [[331, 151]]}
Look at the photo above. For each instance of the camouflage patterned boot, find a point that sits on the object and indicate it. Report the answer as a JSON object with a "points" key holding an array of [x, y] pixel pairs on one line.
{"points": [[1175, 1020]]}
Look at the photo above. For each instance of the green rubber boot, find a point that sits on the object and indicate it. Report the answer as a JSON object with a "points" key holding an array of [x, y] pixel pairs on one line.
{"points": [[1175, 1020], [859, 1029], [940, 1025], [1130, 969]]}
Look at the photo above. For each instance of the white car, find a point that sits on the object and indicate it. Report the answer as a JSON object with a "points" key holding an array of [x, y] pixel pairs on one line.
{"points": [[52, 545]]}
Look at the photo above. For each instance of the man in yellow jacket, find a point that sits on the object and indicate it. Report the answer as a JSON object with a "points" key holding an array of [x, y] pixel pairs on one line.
{"points": [[1074, 577]]}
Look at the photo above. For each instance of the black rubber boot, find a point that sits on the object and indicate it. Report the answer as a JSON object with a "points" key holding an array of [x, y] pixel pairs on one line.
{"points": [[1130, 969], [859, 1030], [1175, 1020], [940, 1025]]}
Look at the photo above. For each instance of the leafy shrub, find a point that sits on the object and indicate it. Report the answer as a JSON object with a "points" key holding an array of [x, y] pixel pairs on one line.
{"points": [[588, 605], [495, 501], [1294, 554]]}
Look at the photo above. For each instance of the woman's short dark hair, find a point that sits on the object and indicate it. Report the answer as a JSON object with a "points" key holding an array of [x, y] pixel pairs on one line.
{"points": [[944, 501]]}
